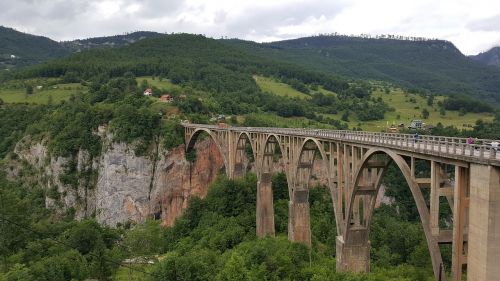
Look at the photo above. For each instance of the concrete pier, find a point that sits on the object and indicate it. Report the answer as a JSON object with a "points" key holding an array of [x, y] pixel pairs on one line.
{"points": [[484, 224]]}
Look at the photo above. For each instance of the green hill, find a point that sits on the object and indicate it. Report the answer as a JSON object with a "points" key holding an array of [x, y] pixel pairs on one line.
{"points": [[108, 41], [20, 49], [433, 65]]}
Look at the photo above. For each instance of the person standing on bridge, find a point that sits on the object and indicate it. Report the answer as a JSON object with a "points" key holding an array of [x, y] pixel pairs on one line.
{"points": [[416, 137], [469, 140]]}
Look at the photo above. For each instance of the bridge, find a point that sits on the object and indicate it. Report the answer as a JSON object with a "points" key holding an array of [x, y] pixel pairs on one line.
{"points": [[467, 176]]}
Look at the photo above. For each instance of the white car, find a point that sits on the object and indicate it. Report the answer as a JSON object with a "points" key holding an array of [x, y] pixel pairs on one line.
{"points": [[495, 145]]}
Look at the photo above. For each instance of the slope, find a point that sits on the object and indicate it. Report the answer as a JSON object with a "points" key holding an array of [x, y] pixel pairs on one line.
{"points": [[108, 41], [491, 57], [434, 65], [21, 49]]}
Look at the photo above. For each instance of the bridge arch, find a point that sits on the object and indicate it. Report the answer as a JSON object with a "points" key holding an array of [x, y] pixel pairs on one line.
{"points": [[264, 168], [194, 137], [299, 209], [239, 155], [354, 244]]}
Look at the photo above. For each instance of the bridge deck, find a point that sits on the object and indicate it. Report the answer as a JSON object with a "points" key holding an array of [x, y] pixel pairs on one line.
{"points": [[445, 147]]}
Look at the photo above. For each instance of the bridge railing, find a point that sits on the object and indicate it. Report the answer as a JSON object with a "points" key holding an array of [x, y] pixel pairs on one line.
{"points": [[453, 146]]}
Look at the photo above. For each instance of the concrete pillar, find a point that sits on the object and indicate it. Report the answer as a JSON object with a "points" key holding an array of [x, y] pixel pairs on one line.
{"points": [[265, 210], [353, 255], [239, 170], [483, 261], [299, 222]]}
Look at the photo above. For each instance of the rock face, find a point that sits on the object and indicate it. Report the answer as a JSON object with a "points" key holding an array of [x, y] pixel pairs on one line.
{"points": [[118, 186]]}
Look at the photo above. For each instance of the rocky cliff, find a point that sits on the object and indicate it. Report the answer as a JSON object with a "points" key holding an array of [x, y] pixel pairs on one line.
{"points": [[118, 186]]}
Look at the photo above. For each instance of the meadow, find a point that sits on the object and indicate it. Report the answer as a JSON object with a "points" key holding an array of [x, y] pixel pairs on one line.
{"points": [[270, 85], [54, 94], [407, 107]]}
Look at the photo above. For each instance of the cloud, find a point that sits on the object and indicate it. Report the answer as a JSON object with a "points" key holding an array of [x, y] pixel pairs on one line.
{"points": [[488, 24], [473, 25]]}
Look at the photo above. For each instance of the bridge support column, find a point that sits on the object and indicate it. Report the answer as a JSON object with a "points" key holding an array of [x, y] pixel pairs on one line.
{"points": [[484, 224], [299, 223], [265, 209], [239, 170], [353, 255]]}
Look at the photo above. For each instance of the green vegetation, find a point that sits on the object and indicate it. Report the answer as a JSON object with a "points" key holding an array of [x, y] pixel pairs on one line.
{"points": [[54, 94], [434, 65], [27, 49], [215, 237], [272, 86], [215, 240], [409, 106], [158, 82]]}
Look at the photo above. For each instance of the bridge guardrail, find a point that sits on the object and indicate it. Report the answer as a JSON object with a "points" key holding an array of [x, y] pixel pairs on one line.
{"points": [[481, 149]]}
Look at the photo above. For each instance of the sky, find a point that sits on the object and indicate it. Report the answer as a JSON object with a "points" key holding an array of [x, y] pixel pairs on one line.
{"points": [[472, 25]]}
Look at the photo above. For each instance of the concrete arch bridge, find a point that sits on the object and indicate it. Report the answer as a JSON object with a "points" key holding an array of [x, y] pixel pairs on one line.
{"points": [[466, 176]]}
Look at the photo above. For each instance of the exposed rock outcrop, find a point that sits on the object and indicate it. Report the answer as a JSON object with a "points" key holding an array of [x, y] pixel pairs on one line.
{"points": [[118, 186]]}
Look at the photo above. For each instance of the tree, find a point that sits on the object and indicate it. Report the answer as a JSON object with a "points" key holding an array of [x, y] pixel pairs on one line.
{"points": [[425, 113], [442, 111], [430, 100], [234, 269], [345, 116], [29, 90], [19, 272], [144, 84]]}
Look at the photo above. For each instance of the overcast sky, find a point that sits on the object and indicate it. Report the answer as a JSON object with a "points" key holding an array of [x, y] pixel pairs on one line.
{"points": [[472, 25]]}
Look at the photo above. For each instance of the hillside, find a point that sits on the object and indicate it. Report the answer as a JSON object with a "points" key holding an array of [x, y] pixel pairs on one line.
{"points": [[108, 41], [91, 168], [20, 49], [491, 57], [434, 65]]}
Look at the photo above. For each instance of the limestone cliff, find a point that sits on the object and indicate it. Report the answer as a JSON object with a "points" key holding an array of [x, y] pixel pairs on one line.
{"points": [[118, 186]]}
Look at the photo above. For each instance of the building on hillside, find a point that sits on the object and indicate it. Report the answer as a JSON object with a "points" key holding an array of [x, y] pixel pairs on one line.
{"points": [[166, 98], [148, 92], [416, 124]]}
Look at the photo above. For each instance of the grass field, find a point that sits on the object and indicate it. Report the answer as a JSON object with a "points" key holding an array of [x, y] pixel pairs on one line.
{"points": [[326, 92], [163, 84], [408, 111], [272, 86], [58, 94], [407, 107]]}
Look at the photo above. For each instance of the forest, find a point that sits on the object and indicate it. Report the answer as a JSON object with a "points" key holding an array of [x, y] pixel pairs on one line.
{"points": [[214, 239]]}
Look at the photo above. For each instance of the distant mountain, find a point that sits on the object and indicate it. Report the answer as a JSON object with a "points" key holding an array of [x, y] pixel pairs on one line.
{"points": [[21, 49], [434, 65], [109, 41], [18, 49], [491, 57]]}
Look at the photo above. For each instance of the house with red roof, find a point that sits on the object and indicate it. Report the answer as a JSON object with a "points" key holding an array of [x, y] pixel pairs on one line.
{"points": [[166, 98]]}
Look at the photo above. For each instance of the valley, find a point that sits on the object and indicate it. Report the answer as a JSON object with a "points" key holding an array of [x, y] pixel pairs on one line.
{"points": [[96, 183]]}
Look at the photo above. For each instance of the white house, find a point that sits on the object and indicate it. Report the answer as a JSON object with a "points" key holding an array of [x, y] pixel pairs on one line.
{"points": [[148, 92]]}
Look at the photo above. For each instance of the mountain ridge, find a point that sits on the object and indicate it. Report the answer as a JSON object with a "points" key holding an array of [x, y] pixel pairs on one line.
{"points": [[490, 57], [431, 65]]}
